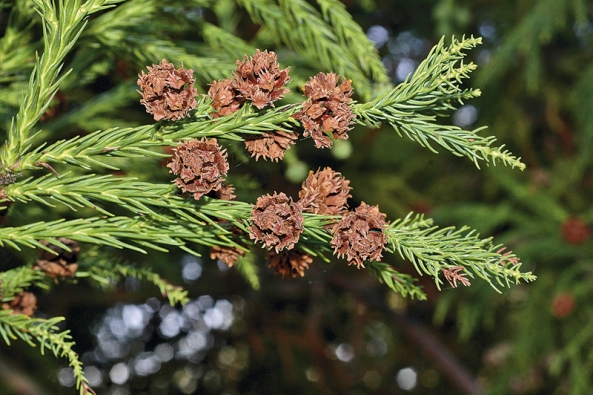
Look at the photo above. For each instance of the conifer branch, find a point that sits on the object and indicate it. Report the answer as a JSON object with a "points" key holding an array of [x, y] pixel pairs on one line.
{"points": [[15, 45], [217, 37], [16, 280], [95, 148], [433, 89], [105, 270], [47, 334], [411, 107], [89, 190], [401, 283], [431, 250], [61, 28]]}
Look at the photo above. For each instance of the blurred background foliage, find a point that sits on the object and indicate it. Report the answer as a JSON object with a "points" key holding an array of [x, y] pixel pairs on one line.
{"points": [[337, 331]]}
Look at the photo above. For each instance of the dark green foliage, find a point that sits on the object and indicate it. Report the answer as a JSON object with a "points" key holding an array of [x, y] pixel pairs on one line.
{"points": [[83, 161]]}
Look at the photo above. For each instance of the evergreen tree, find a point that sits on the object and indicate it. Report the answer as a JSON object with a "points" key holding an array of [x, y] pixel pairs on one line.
{"points": [[97, 191]]}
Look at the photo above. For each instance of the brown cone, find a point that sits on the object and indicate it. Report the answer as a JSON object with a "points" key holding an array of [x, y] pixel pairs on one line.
{"points": [[277, 222], [167, 93], [327, 110], [290, 263], [325, 192], [23, 303], [200, 165], [270, 145], [61, 265], [359, 235], [226, 254], [260, 79], [225, 99]]}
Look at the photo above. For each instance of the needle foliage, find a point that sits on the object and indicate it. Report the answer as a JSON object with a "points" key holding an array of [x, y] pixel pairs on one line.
{"points": [[81, 162]]}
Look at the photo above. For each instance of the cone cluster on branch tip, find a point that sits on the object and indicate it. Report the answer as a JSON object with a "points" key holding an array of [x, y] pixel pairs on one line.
{"points": [[276, 220], [358, 235], [167, 92]]}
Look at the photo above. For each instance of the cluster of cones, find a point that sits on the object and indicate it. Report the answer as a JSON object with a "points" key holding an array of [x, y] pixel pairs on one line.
{"points": [[276, 220], [169, 93]]}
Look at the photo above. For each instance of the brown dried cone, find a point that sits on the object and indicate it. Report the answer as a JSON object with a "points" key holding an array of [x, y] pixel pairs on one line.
{"points": [[290, 263], [225, 99], [260, 79], [61, 265], [23, 303], [327, 110], [167, 92], [277, 221], [270, 145], [226, 254], [200, 165], [325, 192], [359, 235]]}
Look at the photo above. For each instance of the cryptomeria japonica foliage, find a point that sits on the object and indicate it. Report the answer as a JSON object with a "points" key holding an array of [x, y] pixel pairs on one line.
{"points": [[72, 195]]}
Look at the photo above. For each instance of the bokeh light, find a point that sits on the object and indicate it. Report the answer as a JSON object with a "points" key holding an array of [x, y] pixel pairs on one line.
{"points": [[407, 378], [378, 35]]}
